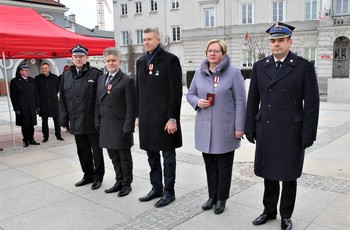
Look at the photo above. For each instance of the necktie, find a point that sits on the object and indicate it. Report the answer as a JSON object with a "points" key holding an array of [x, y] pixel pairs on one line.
{"points": [[108, 80], [278, 65]]}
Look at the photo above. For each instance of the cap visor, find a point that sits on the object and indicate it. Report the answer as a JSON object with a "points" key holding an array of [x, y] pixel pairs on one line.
{"points": [[275, 36]]}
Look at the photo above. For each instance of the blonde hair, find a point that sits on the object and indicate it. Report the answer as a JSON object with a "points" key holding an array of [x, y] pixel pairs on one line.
{"points": [[221, 43]]}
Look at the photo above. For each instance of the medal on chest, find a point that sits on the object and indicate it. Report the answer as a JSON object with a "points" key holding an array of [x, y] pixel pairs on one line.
{"points": [[109, 87], [150, 68], [216, 81]]}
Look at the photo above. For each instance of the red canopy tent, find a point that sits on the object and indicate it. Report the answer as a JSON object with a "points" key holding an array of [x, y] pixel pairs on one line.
{"points": [[26, 34]]}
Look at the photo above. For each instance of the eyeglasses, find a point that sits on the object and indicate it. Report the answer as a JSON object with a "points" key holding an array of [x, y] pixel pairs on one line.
{"points": [[214, 51]]}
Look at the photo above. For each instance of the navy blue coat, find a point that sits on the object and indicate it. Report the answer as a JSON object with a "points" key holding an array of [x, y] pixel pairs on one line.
{"points": [[158, 96], [282, 109], [78, 98], [24, 98]]}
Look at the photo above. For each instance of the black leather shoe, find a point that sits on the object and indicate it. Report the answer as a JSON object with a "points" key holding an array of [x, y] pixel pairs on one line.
{"points": [[45, 140], [220, 206], [125, 190], [209, 204], [25, 144], [116, 187], [150, 196], [83, 181], [60, 138], [263, 218], [33, 143], [286, 224], [165, 200], [96, 185]]}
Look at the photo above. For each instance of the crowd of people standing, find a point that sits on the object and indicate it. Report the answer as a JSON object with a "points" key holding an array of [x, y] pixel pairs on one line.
{"points": [[279, 116]]}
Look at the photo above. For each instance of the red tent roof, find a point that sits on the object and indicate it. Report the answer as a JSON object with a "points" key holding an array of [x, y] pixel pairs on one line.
{"points": [[26, 34]]}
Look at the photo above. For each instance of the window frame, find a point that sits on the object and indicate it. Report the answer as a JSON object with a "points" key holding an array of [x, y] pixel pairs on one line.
{"points": [[138, 7], [174, 4], [139, 34], [124, 37], [246, 5], [176, 35], [123, 9], [153, 5], [311, 14], [209, 10], [247, 58], [278, 16]]}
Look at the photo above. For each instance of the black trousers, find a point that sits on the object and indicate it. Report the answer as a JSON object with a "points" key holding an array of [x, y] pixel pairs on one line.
{"points": [[169, 157], [27, 133], [90, 156], [45, 126], [219, 173], [271, 195], [122, 163]]}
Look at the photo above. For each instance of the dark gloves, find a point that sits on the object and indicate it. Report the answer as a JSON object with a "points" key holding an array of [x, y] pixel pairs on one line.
{"points": [[18, 113], [251, 137], [38, 111], [307, 143], [97, 128]]}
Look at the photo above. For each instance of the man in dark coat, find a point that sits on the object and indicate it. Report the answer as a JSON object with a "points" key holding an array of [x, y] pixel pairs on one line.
{"points": [[115, 119], [77, 106], [25, 102], [282, 117], [48, 88], [159, 93]]}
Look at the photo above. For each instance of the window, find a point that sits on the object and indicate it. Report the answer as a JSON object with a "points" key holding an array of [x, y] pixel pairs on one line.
{"points": [[176, 33], [277, 11], [139, 36], [247, 14], [175, 4], [310, 54], [154, 5], [209, 17], [311, 9], [247, 58], [341, 6], [125, 38], [124, 9], [138, 7]]}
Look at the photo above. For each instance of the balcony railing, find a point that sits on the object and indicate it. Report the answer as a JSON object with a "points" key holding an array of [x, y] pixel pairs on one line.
{"points": [[341, 20]]}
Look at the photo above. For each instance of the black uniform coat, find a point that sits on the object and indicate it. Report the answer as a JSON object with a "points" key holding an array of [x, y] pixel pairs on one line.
{"points": [[282, 109], [24, 98], [115, 111], [158, 97], [78, 98], [48, 88]]}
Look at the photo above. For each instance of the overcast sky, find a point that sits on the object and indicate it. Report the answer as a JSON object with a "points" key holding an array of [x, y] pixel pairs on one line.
{"points": [[86, 12]]}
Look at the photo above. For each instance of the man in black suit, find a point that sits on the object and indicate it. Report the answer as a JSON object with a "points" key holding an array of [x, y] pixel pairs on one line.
{"points": [[159, 93], [282, 117], [25, 102], [115, 119], [77, 106], [48, 88]]}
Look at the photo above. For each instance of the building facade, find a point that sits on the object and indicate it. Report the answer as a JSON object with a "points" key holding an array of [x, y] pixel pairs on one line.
{"points": [[322, 33]]}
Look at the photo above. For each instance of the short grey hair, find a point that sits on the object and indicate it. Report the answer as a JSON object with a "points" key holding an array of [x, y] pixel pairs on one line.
{"points": [[152, 30], [111, 51]]}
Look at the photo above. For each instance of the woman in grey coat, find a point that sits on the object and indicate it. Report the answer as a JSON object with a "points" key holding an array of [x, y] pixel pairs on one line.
{"points": [[217, 94]]}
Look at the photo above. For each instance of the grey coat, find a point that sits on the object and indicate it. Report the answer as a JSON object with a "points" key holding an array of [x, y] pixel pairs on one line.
{"points": [[115, 111], [215, 126]]}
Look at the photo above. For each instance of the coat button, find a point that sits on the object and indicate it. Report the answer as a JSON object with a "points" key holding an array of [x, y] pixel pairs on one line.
{"points": [[269, 105], [270, 90], [268, 122], [282, 106]]}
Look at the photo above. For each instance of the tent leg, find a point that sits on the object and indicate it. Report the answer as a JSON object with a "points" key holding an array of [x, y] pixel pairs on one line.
{"points": [[8, 100]]}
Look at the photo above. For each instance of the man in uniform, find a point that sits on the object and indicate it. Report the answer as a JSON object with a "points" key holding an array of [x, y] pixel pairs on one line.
{"points": [[25, 102], [77, 106], [282, 117]]}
